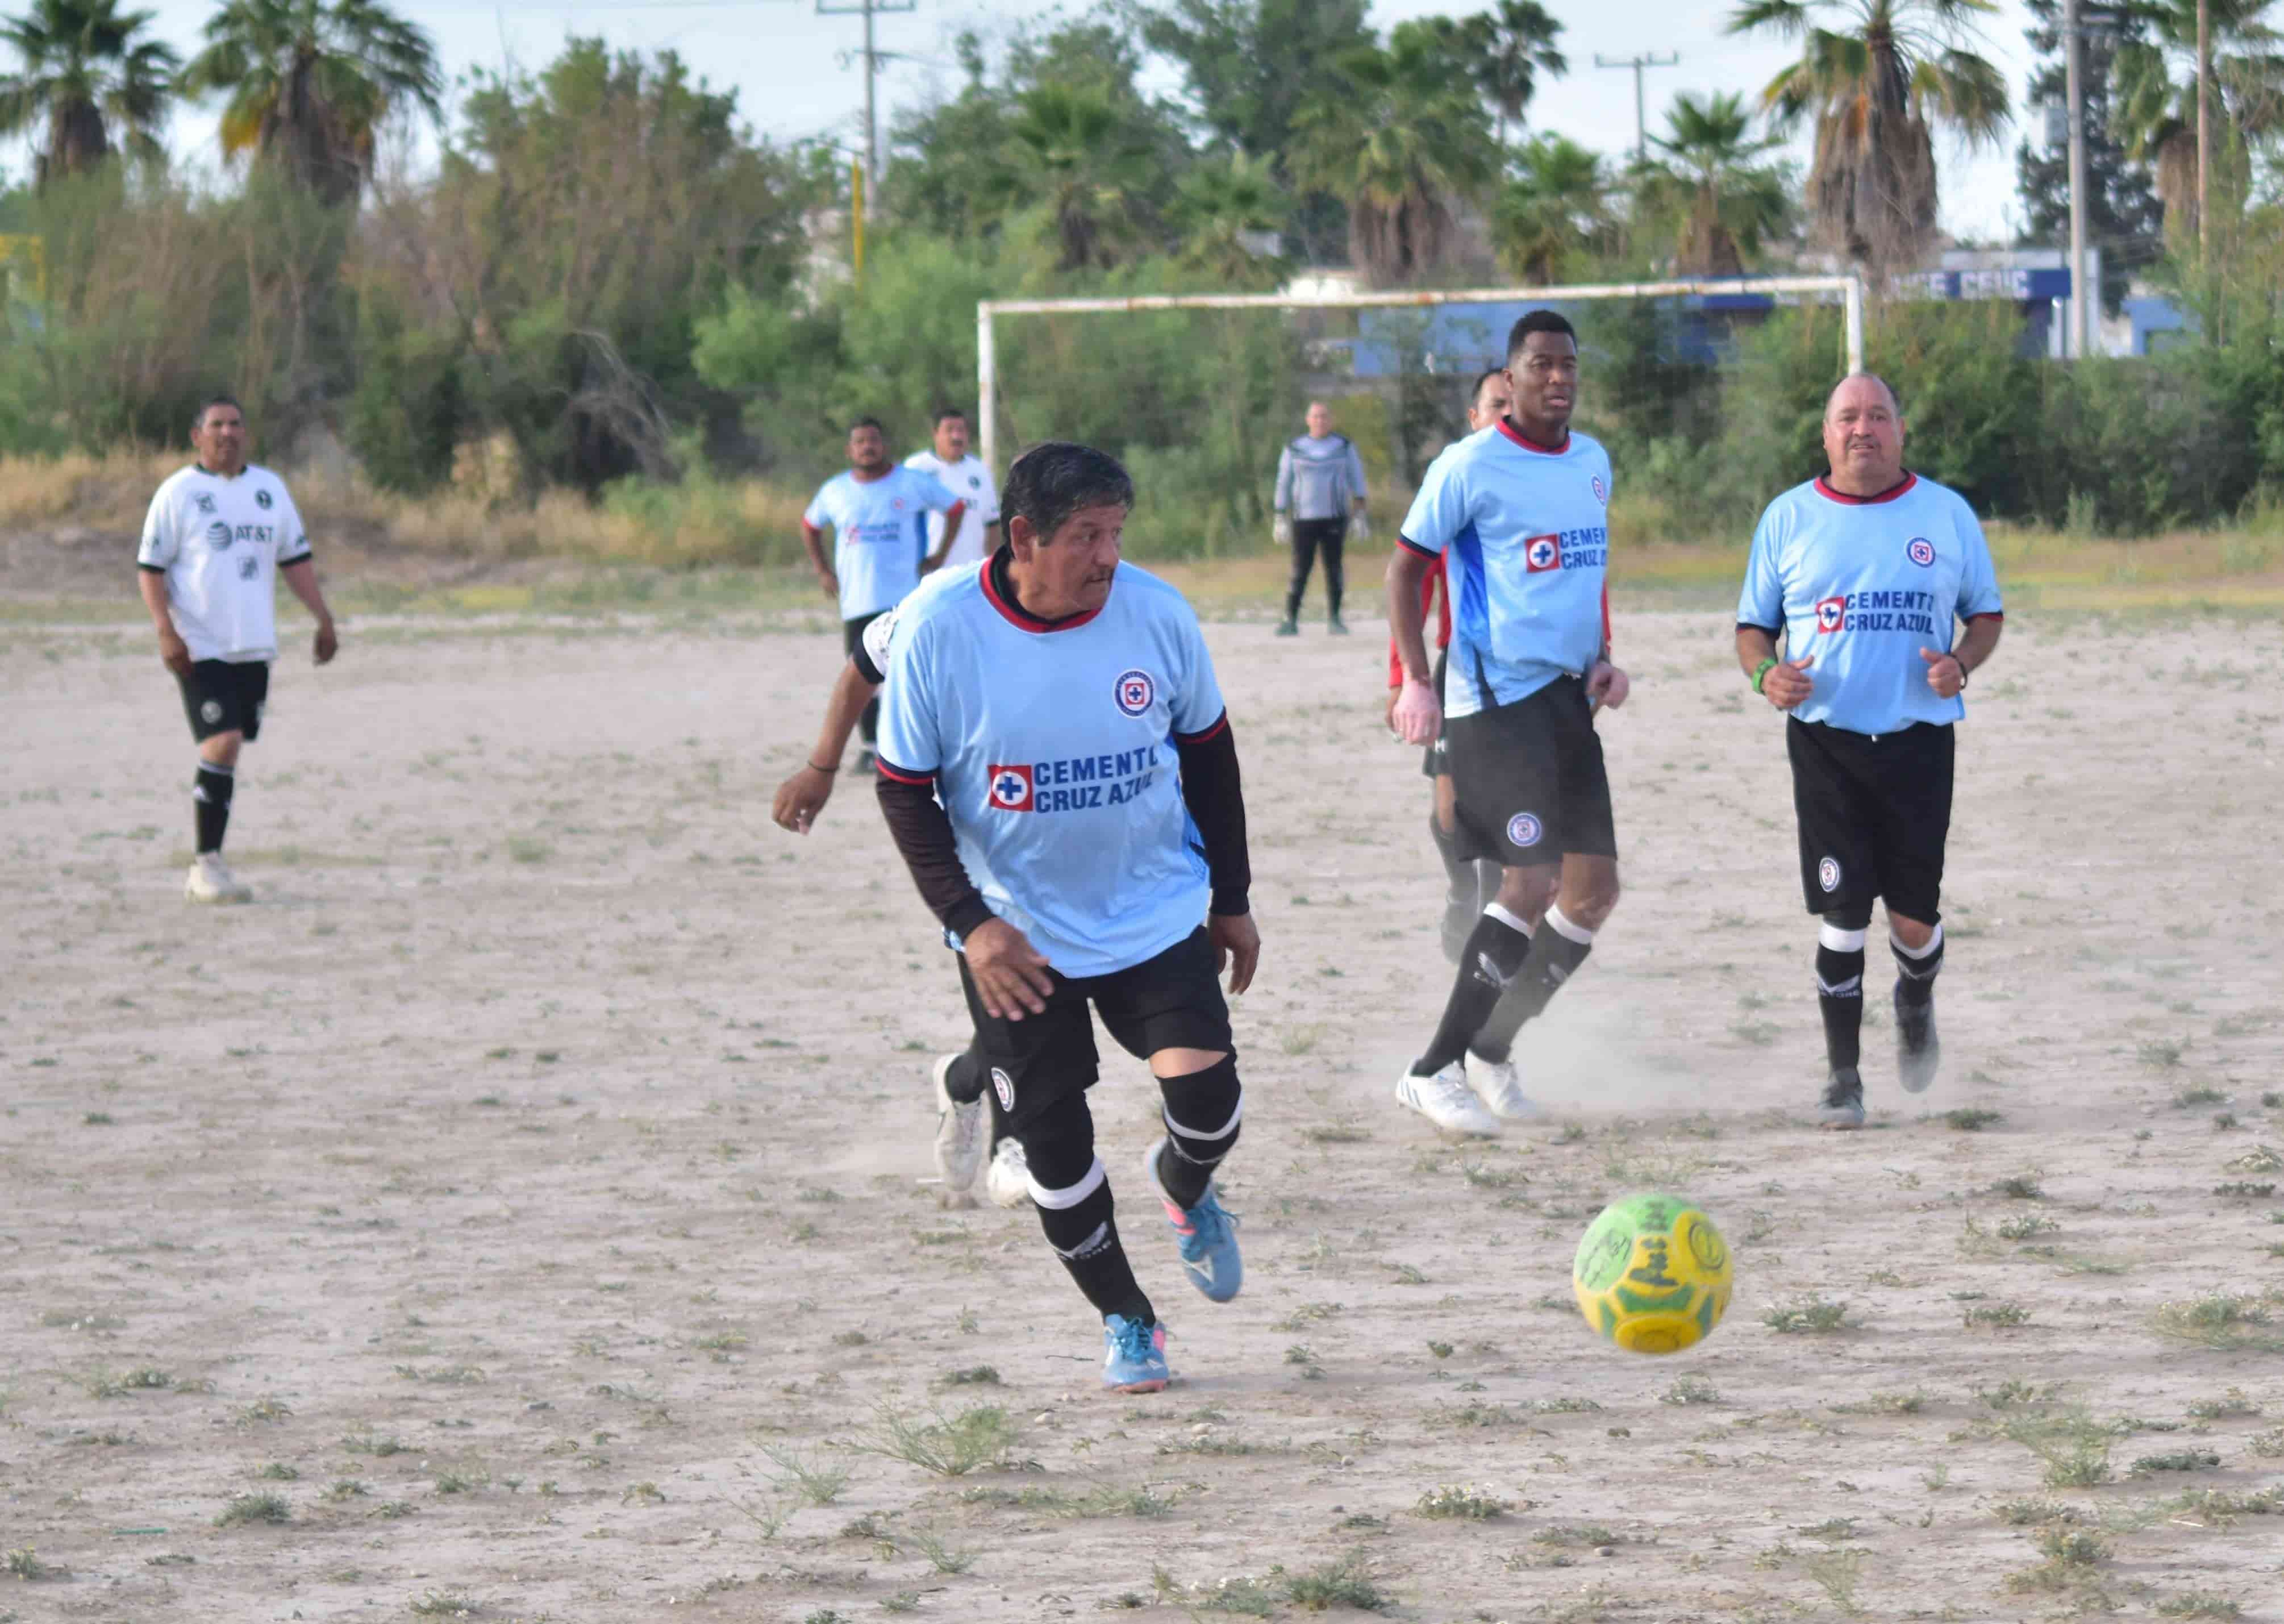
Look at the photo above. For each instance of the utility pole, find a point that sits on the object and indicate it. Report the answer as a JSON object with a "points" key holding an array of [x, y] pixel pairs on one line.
{"points": [[2081, 302], [1637, 63], [2204, 121], [868, 8]]}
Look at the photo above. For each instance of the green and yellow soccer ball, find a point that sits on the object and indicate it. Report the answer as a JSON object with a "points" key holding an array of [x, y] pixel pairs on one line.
{"points": [[1652, 1275]]}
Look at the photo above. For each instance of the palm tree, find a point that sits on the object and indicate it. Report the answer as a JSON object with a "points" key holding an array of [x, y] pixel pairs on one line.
{"points": [[310, 81], [1556, 207], [1514, 43], [1878, 87], [1727, 204], [86, 69], [2156, 114], [1403, 141], [1220, 204], [1073, 152]]}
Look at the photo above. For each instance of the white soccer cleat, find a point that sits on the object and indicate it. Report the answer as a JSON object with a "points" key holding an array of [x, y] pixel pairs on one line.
{"points": [[1498, 1085], [211, 881], [1008, 1180], [1446, 1100], [959, 1140]]}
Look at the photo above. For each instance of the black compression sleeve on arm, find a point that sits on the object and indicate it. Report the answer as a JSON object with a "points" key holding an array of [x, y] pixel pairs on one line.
{"points": [[923, 834], [1212, 790]]}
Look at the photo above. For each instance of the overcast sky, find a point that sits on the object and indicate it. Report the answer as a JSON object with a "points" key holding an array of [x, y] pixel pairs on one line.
{"points": [[784, 61]]}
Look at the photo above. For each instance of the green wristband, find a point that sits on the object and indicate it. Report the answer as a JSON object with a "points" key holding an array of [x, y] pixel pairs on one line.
{"points": [[1761, 673]]}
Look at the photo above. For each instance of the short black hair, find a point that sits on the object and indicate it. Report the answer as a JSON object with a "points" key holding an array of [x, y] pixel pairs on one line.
{"points": [[942, 413], [871, 423], [1054, 480], [1475, 392], [199, 418], [1539, 321]]}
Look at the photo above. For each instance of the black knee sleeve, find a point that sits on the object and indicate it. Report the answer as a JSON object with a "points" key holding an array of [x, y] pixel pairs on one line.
{"points": [[1203, 1112], [1072, 1193], [1058, 1144], [1854, 916]]}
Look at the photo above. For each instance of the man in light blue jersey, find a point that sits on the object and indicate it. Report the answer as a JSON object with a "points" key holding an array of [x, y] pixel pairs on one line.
{"points": [[878, 511], [1057, 767], [1519, 516], [1867, 574], [1319, 502]]}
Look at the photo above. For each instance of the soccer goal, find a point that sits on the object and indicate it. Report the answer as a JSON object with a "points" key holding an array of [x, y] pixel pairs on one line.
{"points": [[1848, 289]]}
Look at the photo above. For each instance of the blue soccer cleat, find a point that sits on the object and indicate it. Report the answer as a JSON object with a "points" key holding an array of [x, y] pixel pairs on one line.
{"points": [[1133, 1355], [1205, 1234]]}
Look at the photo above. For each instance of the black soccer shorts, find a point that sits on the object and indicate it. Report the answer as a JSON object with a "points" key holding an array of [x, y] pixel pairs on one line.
{"points": [[1171, 1002], [1874, 812], [1529, 779], [225, 696]]}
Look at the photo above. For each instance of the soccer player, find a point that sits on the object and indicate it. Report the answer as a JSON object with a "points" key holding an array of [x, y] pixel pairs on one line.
{"points": [[1320, 500], [1519, 515], [1057, 767], [1468, 884], [876, 512], [966, 478], [961, 1102], [1865, 574], [218, 534]]}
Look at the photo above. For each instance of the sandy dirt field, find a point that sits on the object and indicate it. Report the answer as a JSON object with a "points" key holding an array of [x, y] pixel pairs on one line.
{"points": [[520, 1211]]}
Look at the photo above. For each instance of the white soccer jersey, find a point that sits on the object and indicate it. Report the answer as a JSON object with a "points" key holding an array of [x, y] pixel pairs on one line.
{"points": [[1052, 749], [1859, 585], [219, 543], [971, 482], [1523, 534]]}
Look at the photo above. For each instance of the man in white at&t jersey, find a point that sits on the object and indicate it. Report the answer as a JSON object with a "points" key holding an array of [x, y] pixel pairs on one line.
{"points": [[965, 477], [218, 536], [1519, 517], [1057, 766], [1868, 573], [878, 513]]}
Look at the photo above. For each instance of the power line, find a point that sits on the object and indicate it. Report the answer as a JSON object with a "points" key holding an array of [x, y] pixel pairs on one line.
{"points": [[868, 9], [1637, 63]]}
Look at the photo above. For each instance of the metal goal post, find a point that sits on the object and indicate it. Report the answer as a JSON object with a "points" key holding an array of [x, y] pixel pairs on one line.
{"points": [[1849, 289]]}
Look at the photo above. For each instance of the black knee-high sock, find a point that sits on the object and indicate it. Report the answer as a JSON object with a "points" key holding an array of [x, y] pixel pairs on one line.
{"points": [[1084, 1236], [1917, 986], [1555, 953], [1840, 993], [1202, 1113], [1459, 872], [210, 798], [1496, 949], [965, 1078]]}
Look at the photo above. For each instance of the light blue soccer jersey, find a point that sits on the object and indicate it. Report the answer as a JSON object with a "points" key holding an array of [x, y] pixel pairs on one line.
{"points": [[1861, 585], [1052, 749], [880, 533], [1524, 535]]}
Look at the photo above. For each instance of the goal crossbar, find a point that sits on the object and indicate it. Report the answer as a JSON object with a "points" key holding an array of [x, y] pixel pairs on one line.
{"points": [[1849, 289]]}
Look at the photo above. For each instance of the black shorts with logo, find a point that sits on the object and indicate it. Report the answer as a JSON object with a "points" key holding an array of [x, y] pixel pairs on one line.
{"points": [[1874, 812], [1171, 1002], [1434, 761], [1529, 779], [225, 696]]}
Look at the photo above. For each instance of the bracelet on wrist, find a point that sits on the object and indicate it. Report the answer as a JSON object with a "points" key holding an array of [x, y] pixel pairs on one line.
{"points": [[828, 772], [1761, 673]]}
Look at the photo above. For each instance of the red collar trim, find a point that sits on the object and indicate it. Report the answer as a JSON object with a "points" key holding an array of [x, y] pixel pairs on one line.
{"points": [[1529, 444], [1023, 619], [1888, 495]]}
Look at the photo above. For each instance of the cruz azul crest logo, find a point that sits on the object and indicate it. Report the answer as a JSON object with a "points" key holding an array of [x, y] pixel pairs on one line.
{"points": [[1134, 691], [1541, 554], [1601, 491], [1011, 788], [1831, 614], [1921, 551]]}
